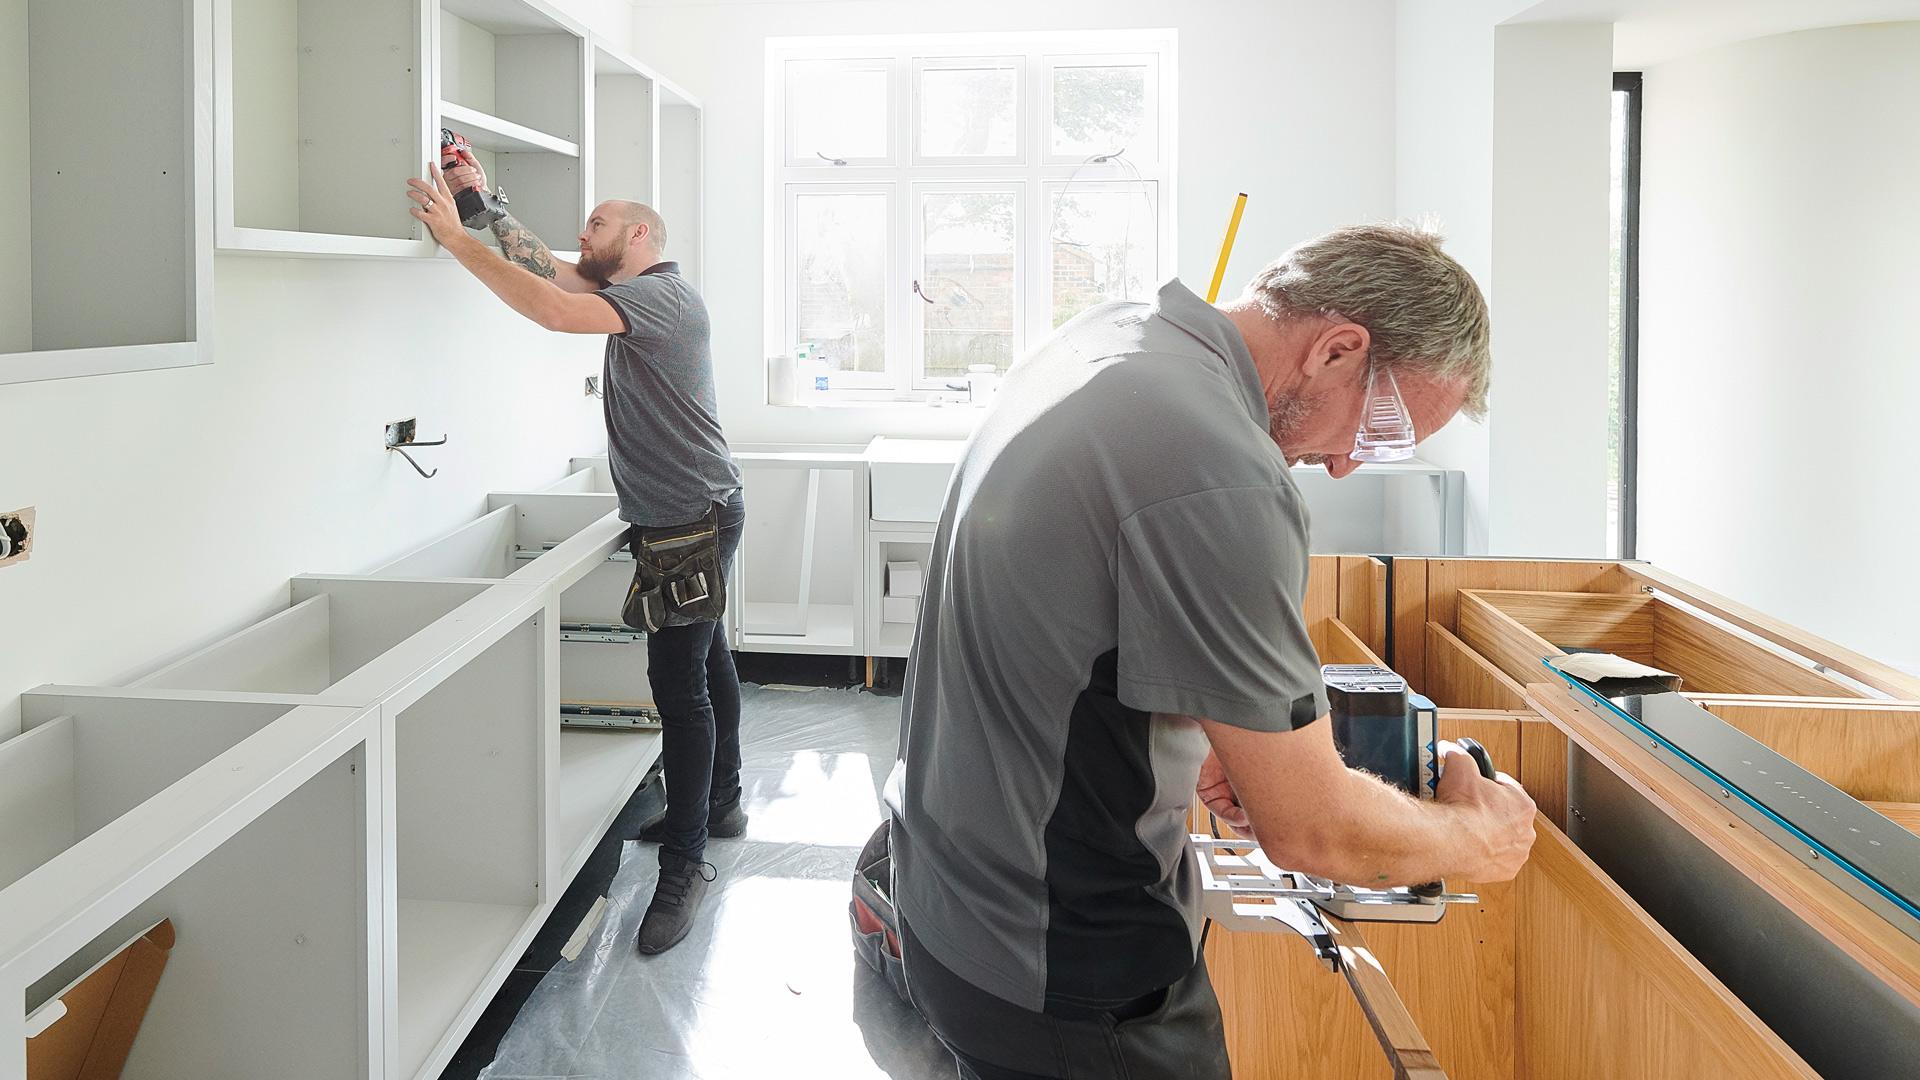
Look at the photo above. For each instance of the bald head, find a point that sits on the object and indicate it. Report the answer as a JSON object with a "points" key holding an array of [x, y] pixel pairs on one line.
{"points": [[633, 213], [622, 238]]}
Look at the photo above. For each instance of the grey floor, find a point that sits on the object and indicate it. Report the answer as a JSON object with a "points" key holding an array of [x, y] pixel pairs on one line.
{"points": [[767, 984]]}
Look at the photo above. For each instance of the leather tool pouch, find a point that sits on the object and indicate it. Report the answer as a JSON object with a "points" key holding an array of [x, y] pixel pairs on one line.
{"points": [[677, 576]]}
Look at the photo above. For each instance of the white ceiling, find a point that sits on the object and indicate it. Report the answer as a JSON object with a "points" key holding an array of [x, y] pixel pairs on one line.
{"points": [[1649, 31]]}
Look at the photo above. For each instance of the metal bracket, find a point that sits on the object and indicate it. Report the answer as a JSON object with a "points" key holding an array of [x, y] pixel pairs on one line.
{"points": [[525, 554], [618, 716], [600, 632], [403, 433]]}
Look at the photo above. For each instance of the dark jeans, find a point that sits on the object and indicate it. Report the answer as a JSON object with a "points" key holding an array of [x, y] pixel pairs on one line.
{"points": [[698, 695], [1172, 1034]]}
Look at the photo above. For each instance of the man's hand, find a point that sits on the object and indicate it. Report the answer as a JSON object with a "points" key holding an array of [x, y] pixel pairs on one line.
{"points": [[435, 206], [467, 174], [1500, 815], [1216, 791]]}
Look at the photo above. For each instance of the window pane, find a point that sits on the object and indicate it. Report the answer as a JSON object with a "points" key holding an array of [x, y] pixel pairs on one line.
{"points": [[837, 108], [1101, 110], [968, 277], [840, 271], [1104, 247], [968, 112]]}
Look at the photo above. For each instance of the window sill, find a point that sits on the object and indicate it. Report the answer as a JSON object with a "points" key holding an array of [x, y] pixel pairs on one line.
{"points": [[949, 404]]}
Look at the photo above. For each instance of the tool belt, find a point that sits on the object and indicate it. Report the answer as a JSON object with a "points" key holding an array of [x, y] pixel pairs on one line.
{"points": [[677, 576]]}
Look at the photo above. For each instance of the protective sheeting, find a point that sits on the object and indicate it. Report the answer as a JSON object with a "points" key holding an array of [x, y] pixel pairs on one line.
{"points": [[766, 985]]}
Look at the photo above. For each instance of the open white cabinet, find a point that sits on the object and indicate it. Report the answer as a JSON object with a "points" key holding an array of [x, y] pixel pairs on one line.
{"points": [[512, 78], [801, 573], [678, 179], [356, 811], [252, 823], [104, 107], [320, 119]]}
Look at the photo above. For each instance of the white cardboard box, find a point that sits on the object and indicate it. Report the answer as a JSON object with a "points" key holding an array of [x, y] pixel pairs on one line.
{"points": [[904, 580], [899, 609]]}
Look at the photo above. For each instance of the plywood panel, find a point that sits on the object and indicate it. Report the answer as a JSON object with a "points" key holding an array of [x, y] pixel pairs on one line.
{"points": [[1506, 644], [1619, 624], [1868, 749], [1363, 599], [1345, 647], [1459, 678], [1714, 661], [1323, 599], [1904, 814], [1855, 929], [1287, 1017], [1446, 577], [1605, 992], [1543, 768], [1409, 603], [1871, 672]]}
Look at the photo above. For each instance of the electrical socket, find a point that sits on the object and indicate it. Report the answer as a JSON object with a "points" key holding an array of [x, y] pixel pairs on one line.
{"points": [[593, 386], [16, 536]]}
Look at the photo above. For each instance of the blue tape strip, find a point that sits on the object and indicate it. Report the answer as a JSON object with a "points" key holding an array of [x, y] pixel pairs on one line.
{"points": [[1825, 852]]}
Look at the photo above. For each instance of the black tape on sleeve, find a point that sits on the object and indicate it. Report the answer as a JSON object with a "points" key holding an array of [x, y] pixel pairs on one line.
{"points": [[1304, 712]]}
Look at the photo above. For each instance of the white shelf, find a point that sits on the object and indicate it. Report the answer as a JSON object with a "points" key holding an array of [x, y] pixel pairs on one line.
{"points": [[489, 132], [896, 639], [599, 770], [448, 950], [831, 628]]}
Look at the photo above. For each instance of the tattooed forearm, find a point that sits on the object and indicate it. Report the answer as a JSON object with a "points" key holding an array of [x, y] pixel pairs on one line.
{"points": [[522, 248]]}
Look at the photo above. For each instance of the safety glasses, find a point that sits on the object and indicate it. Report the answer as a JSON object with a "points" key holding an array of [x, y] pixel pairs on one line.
{"points": [[1386, 427]]}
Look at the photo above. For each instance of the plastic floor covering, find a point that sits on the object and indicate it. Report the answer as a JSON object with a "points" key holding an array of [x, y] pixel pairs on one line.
{"points": [[766, 985]]}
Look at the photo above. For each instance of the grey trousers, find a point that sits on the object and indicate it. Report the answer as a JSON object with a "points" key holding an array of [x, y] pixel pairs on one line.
{"points": [[1172, 1034]]}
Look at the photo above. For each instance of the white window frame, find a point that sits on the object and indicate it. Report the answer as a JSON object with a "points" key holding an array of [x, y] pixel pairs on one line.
{"points": [[790, 302], [907, 175], [916, 265]]}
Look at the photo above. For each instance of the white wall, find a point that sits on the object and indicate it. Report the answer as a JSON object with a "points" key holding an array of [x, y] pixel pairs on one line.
{"points": [[1443, 170], [1779, 328], [174, 505], [1515, 118], [1548, 459], [1291, 102]]}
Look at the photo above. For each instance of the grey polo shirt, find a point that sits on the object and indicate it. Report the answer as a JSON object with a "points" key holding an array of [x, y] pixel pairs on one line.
{"points": [[1121, 540], [669, 459]]}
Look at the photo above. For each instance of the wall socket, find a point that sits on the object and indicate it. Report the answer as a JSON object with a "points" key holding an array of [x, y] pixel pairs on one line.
{"points": [[16, 536]]}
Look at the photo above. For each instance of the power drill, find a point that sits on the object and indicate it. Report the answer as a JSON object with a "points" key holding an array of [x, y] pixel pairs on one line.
{"points": [[478, 208]]}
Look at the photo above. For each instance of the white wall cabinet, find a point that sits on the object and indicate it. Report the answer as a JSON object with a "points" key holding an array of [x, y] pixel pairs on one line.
{"points": [[104, 109], [645, 146], [319, 119], [513, 79]]}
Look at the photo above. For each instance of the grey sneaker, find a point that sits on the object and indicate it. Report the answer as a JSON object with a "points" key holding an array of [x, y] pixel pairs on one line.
{"points": [[676, 900]]}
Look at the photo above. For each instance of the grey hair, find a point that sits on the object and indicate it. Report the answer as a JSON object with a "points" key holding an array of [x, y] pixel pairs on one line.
{"points": [[1423, 311]]}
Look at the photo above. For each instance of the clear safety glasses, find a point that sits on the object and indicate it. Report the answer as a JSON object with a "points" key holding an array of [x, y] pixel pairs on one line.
{"points": [[1386, 427]]}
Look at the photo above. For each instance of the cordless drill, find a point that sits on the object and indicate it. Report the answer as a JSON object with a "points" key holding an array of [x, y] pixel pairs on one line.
{"points": [[478, 208]]}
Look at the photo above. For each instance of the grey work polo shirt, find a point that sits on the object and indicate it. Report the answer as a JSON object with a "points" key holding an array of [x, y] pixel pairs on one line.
{"points": [[1121, 539], [669, 458]]}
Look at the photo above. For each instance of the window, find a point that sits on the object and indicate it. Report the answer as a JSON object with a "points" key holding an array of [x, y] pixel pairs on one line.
{"points": [[937, 203], [1623, 377]]}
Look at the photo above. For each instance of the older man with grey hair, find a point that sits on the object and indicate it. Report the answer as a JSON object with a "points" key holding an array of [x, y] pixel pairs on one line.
{"points": [[1113, 622]]}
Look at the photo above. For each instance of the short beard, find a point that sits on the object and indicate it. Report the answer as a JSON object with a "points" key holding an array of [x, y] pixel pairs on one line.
{"points": [[598, 266], [1286, 416]]}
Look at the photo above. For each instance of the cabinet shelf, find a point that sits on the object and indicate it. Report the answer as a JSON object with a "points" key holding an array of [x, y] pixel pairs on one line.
{"points": [[489, 132]]}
